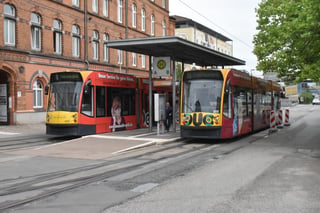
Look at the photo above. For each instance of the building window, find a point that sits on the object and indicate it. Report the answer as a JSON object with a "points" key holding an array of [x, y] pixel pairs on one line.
{"points": [[134, 59], [35, 31], [120, 11], [9, 25], [152, 25], [37, 94], [119, 56], [143, 20], [75, 41], [106, 8], [95, 6], [75, 3], [95, 45], [164, 3], [163, 28], [57, 36], [143, 61], [134, 15], [105, 47]]}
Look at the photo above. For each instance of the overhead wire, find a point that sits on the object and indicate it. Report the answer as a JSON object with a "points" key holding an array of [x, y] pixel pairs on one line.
{"points": [[221, 28]]}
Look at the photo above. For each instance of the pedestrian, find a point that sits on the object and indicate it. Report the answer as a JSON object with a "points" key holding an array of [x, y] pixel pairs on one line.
{"points": [[168, 120]]}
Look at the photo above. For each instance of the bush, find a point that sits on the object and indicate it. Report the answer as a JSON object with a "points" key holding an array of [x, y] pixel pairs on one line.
{"points": [[305, 98]]}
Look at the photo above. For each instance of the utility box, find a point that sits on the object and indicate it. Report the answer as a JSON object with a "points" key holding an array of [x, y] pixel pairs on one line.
{"points": [[160, 107]]}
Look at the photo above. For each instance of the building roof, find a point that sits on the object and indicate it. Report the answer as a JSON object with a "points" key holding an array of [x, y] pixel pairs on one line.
{"points": [[182, 22], [177, 48]]}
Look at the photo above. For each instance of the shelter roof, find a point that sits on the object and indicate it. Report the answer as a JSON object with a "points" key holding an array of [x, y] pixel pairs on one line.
{"points": [[177, 48]]}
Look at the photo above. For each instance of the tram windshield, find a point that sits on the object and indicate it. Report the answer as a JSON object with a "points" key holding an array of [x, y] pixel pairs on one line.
{"points": [[64, 94], [202, 93]]}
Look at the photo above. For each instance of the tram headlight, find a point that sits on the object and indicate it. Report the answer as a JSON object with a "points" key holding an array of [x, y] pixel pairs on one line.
{"points": [[75, 118]]}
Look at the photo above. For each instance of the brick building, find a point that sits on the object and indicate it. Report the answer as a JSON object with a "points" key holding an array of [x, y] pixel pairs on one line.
{"points": [[44, 36]]}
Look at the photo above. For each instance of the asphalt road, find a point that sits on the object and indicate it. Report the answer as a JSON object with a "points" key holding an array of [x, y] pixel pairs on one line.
{"points": [[278, 172]]}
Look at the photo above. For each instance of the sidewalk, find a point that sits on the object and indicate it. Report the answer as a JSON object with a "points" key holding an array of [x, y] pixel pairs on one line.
{"points": [[94, 147]]}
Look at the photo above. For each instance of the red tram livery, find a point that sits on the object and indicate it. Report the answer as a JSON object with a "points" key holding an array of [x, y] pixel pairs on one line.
{"points": [[92, 102], [225, 103]]}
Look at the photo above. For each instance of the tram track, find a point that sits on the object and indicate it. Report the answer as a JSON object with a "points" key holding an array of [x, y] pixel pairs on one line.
{"points": [[48, 184], [21, 142]]}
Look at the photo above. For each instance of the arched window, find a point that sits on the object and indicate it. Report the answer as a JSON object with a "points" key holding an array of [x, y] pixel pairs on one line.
{"points": [[143, 19], [134, 15], [75, 41], [57, 36], [95, 45], [35, 31], [152, 25], [105, 47], [9, 27], [37, 94]]}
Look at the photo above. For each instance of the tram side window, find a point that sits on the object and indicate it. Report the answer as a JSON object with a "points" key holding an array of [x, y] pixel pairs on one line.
{"points": [[87, 101], [126, 96], [101, 101], [240, 98], [227, 100]]}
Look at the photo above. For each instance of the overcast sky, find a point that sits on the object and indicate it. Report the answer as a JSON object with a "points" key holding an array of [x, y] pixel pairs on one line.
{"points": [[235, 19]]}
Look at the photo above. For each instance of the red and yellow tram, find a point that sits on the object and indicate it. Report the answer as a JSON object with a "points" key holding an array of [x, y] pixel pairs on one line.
{"points": [[92, 102], [225, 103]]}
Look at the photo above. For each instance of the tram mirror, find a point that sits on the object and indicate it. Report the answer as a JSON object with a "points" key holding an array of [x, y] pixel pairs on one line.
{"points": [[159, 107], [87, 86], [46, 89]]}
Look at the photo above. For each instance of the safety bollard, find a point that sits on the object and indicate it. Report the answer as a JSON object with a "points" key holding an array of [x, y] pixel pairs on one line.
{"points": [[272, 122], [286, 118], [280, 118]]}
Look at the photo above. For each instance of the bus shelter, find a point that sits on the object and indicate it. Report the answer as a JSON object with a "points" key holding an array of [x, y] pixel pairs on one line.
{"points": [[179, 50]]}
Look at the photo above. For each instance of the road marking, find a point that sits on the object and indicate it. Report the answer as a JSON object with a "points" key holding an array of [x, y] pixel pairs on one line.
{"points": [[8, 133], [14, 158], [145, 187]]}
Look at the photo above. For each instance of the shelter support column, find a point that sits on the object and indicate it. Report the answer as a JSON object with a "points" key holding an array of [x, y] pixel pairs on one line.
{"points": [[150, 95], [174, 77]]}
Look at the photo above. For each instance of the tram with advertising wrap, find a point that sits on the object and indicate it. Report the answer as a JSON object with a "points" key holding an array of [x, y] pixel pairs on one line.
{"points": [[93, 102], [220, 104]]}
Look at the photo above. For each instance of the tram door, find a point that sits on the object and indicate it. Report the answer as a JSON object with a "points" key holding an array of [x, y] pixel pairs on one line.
{"points": [[4, 97]]}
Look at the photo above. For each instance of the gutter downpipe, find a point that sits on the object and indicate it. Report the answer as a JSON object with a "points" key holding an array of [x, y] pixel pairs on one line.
{"points": [[126, 32], [86, 34]]}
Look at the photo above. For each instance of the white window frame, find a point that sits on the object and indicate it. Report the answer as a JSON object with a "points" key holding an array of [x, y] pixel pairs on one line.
{"points": [[35, 31], [134, 15], [95, 6], [143, 61], [120, 7], [95, 45], [37, 94], [152, 23], [57, 36], [75, 3], [9, 27], [134, 59], [75, 41], [105, 48], [120, 57], [164, 28], [106, 8], [143, 19]]}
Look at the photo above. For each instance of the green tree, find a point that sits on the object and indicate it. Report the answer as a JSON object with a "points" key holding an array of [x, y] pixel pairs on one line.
{"points": [[288, 38]]}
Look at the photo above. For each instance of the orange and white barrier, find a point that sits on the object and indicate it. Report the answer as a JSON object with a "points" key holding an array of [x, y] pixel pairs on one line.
{"points": [[286, 117], [273, 122], [280, 118]]}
